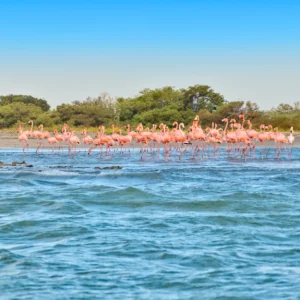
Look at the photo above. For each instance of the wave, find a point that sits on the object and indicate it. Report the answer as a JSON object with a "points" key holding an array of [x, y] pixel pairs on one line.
{"points": [[8, 257]]}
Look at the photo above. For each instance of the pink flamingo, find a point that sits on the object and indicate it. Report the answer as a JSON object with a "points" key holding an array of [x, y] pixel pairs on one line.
{"points": [[242, 136], [34, 133], [87, 139], [102, 139], [140, 137], [179, 137], [126, 139], [280, 139], [114, 135], [74, 141], [230, 136], [132, 133], [270, 133], [252, 134], [214, 138], [22, 137], [262, 137], [199, 135], [59, 137], [154, 137], [96, 142], [28, 132], [52, 140], [108, 140], [165, 138], [41, 135]]}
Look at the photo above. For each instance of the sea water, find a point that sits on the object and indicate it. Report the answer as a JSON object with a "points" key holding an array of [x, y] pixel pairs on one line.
{"points": [[158, 228]]}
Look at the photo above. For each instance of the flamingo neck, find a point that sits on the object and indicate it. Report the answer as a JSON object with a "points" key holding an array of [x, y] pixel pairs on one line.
{"points": [[226, 126], [243, 121]]}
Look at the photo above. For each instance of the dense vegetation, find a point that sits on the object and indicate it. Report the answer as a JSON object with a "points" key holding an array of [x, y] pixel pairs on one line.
{"points": [[148, 107]]}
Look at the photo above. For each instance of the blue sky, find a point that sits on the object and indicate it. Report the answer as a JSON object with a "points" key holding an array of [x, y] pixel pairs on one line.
{"points": [[67, 50]]}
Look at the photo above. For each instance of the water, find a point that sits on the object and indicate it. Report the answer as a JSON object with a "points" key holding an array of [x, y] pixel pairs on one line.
{"points": [[224, 228]]}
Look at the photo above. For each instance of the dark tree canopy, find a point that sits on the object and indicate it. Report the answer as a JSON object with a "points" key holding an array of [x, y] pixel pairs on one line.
{"points": [[4, 100], [168, 104], [90, 112], [150, 106]]}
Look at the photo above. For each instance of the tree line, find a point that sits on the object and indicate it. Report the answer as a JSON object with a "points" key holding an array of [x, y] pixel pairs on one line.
{"points": [[150, 106]]}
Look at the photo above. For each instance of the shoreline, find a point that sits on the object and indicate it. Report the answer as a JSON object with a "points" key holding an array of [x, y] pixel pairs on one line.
{"points": [[10, 140]]}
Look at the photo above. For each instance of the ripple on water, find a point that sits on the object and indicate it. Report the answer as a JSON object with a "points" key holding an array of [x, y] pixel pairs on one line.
{"points": [[154, 229]]}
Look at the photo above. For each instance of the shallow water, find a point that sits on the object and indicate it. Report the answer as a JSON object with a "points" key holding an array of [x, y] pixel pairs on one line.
{"points": [[155, 229]]}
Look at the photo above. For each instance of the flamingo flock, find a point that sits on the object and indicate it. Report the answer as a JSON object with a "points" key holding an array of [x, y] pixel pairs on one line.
{"points": [[202, 143]]}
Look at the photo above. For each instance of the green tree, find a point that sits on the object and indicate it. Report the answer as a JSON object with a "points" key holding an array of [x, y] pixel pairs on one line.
{"points": [[4, 100], [207, 97], [153, 106], [90, 112], [284, 108], [13, 113]]}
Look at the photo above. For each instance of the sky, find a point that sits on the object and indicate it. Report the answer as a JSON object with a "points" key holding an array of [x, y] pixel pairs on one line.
{"points": [[63, 50]]}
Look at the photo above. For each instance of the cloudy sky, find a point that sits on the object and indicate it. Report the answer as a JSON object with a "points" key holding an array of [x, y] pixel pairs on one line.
{"points": [[68, 50]]}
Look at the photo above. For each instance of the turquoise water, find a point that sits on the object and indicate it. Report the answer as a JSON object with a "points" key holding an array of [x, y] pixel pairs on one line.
{"points": [[154, 229]]}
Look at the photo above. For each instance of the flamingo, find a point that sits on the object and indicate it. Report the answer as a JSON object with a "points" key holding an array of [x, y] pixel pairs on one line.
{"points": [[28, 132], [242, 135], [106, 139], [74, 141], [179, 136], [140, 137], [198, 135], [280, 139], [31, 128], [59, 137], [165, 138], [114, 135], [102, 139], [251, 132], [87, 139], [291, 139], [132, 133], [126, 139], [41, 135], [262, 137], [210, 136], [52, 140], [230, 136], [22, 137], [154, 137]]}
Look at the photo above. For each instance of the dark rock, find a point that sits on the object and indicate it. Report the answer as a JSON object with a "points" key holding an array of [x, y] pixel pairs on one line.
{"points": [[14, 163], [108, 168], [112, 168], [29, 166]]}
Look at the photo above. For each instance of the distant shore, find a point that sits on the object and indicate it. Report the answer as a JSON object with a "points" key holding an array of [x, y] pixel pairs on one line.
{"points": [[10, 140]]}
